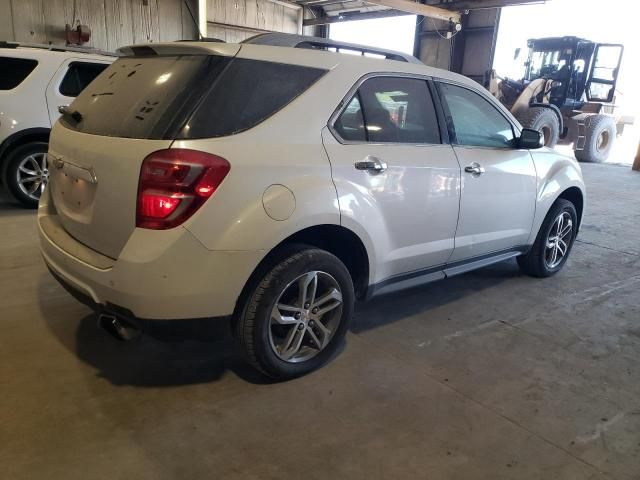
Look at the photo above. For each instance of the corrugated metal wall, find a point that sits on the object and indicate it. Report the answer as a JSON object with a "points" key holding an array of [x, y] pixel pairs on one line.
{"points": [[113, 23], [470, 52], [235, 20]]}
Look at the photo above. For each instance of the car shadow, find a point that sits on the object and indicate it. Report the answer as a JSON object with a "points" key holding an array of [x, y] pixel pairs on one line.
{"points": [[9, 206], [187, 352], [390, 308]]}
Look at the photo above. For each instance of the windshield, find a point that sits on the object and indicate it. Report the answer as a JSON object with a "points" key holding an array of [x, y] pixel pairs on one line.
{"points": [[548, 64]]}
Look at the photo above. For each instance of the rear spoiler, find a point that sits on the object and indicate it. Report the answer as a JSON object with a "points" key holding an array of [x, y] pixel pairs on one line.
{"points": [[180, 48]]}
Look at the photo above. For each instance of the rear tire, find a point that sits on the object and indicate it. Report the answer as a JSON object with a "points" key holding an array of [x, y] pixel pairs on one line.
{"points": [[600, 135], [297, 314], [540, 261], [545, 121], [26, 162]]}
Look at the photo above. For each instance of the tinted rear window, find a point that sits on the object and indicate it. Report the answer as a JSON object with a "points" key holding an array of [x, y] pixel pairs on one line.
{"points": [[186, 96], [144, 97], [14, 70]]}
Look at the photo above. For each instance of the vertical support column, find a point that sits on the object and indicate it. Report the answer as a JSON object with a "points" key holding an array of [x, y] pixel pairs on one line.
{"points": [[636, 163], [202, 17]]}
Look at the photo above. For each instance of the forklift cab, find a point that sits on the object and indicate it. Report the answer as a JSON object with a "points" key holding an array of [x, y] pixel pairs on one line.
{"points": [[577, 68]]}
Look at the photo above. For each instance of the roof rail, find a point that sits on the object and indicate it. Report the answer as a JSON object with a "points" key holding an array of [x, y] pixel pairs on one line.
{"points": [[318, 43], [57, 48]]}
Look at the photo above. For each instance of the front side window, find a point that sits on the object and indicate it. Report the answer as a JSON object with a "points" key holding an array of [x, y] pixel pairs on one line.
{"points": [[350, 124], [473, 120], [390, 110], [13, 71], [78, 76]]}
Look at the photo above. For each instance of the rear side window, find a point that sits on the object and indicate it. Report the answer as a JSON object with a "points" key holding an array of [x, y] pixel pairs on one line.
{"points": [[78, 76], [14, 70], [390, 110], [186, 96], [474, 121], [247, 93]]}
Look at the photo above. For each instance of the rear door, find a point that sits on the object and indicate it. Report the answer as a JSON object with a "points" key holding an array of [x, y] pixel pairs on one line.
{"points": [[498, 190], [72, 77], [395, 179]]}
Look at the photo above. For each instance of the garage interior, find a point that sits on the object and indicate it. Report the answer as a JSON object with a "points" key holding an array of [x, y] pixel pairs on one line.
{"points": [[488, 375]]}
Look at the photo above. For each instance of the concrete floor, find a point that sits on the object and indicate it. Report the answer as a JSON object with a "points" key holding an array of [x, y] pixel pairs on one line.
{"points": [[490, 375]]}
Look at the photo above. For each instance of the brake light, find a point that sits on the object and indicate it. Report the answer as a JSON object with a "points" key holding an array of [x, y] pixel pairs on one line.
{"points": [[174, 183]]}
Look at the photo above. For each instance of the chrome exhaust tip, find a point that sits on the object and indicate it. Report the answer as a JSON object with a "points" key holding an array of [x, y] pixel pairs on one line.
{"points": [[117, 327]]}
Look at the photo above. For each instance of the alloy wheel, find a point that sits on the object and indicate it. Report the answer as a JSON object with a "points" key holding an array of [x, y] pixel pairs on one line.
{"points": [[32, 175], [305, 317], [558, 240]]}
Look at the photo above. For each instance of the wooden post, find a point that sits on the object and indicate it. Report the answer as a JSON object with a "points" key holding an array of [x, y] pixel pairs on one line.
{"points": [[636, 163]]}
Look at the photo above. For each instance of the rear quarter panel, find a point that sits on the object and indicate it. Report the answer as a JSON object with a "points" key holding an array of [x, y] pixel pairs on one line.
{"points": [[286, 150]]}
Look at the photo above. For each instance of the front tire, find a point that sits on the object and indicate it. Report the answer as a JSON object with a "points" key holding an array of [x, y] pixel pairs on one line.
{"points": [[298, 313], [27, 173], [553, 243]]}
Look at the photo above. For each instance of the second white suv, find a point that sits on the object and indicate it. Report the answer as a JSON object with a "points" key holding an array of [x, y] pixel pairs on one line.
{"points": [[36, 80], [277, 185]]}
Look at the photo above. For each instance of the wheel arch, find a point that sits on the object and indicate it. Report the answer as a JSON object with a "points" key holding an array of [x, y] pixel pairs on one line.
{"points": [[28, 135], [336, 239], [575, 196]]}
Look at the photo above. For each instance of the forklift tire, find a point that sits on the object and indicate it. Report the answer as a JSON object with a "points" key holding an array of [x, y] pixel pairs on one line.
{"points": [[545, 121], [600, 134]]}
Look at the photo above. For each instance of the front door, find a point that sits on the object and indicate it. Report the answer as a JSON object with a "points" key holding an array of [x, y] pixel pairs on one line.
{"points": [[499, 183], [397, 184]]}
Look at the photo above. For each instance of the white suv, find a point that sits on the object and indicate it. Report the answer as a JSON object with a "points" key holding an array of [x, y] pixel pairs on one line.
{"points": [[35, 81], [279, 185]]}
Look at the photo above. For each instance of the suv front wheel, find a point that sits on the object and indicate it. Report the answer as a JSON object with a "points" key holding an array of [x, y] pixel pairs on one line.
{"points": [[297, 314], [27, 173], [554, 241]]}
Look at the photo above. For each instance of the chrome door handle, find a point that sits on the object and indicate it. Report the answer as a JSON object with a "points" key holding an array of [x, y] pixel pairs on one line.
{"points": [[474, 169], [371, 164]]}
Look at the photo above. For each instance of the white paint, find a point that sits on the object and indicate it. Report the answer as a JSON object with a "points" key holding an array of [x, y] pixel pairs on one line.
{"points": [[202, 17]]}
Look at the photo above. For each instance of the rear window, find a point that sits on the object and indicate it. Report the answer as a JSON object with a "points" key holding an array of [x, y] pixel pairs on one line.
{"points": [[185, 96], [14, 70]]}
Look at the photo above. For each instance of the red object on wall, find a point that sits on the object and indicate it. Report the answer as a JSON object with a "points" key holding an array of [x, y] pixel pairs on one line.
{"points": [[77, 36]]}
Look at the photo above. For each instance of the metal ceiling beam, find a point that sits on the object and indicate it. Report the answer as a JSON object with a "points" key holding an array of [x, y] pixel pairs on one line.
{"points": [[415, 8], [353, 16], [481, 4]]}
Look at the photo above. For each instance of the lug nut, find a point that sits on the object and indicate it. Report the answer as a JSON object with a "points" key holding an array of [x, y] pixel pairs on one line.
{"points": [[306, 305], [301, 326], [297, 316], [315, 310]]}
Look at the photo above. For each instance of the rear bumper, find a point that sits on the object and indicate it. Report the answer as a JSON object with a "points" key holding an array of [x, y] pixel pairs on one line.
{"points": [[159, 274]]}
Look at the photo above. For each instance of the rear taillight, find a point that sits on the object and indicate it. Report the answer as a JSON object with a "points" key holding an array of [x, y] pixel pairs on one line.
{"points": [[174, 183]]}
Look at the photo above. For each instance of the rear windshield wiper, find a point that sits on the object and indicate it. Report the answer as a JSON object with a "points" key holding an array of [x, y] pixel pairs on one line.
{"points": [[66, 111]]}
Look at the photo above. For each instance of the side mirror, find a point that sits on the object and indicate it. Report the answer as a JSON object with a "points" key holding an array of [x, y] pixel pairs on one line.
{"points": [[530, 139], [516, 53]]}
